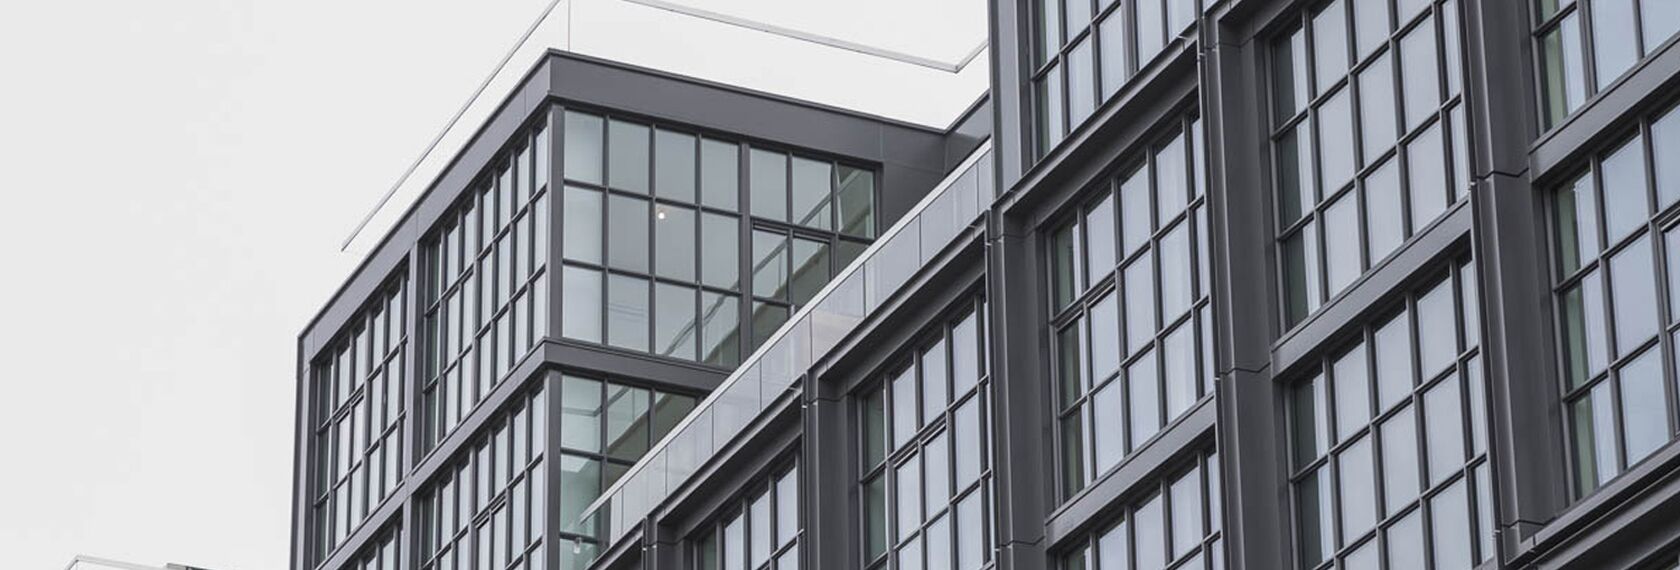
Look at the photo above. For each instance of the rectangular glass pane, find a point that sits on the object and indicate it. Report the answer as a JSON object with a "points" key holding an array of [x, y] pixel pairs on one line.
{"points": [[1449, 521], [810, 269], [1564, 71], [1615, 45], [675, 332], [907, 497], [1139, 285], [770, 264], [1099, 237], [1178, 354], [627, 428], [1659, 20], [971, 532], [1420, 74], [1289, 75], [584, 150], [769, 184], [627, 312], [1048, 99], [627, 156], [1313, 518], [812, 193], [1352, 386], [936, 459], [1144, 391], [936, 382], [1586, 346], [1149, 526], [581, 304], [1443, 429], [1376, 108], [904, 406], [1399, 460], [1105, 339], [1437, 329], [720, 329], [1151, 30], [1385, 224], [875, 517], [583, 232], [970, 443], [965, 354], [720, 238], [1108, 426], [1633, 295], [1644, 406], [1177, 282], [1186, 508], [1136, 206], [1082, 80], [1295, 174], [1300, 266], [1335, 142], [1426, 174], [1626, 205], [1310, 419], [627, 233], [856, 196], [1172, 190], [1405, 542], [1341, 242], [1111, 41], [673, 174], [720, 174], [1370, 25], [1330, 45], [1356, 476], [673, 232], [1665, 142]]}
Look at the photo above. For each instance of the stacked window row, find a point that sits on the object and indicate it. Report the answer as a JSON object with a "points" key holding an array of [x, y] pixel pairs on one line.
{"points": [[605, 427], [1179, 525], [486, 511], [1389, 440], [1369, 140], [358, 417], [485, 284], [926, 458], [762, 533], [381, 553], [653, 233], [1619, 301], [1585, 45], [1132, 318], [1089, 49]]}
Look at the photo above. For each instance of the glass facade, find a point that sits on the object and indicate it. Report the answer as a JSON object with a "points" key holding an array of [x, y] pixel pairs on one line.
{"points": [[1389, 440], [1132, 321], [1368, 138], [1585, 45], [358, 412], [486, 510], [1088, 49], [761, 532], [1177, 523], [660, 225], [485, 297], [926, 456], [1619, 301], [605, 426]]}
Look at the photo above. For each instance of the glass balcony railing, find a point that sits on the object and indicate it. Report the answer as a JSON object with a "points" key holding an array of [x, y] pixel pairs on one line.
{"points": [[771, 371]]}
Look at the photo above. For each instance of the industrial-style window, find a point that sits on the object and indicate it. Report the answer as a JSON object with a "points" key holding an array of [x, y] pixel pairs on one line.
{"points": [[926, 461], [358, 414], [1132, 320], [1094, 46], [761, 533], [485, 291], [1585, 45], [653, 236], [605, 427], [1618, 245], [1389, 440], [383, 552], [486, 508], [1368, 138], [1178, 524]]}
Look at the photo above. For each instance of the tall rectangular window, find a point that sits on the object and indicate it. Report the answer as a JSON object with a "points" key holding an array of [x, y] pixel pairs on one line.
{"points": [[1095, 50], [1366, 155], [489, 505], [485, 279], [1131, 315], [1389, 439], [925, 477], [653, 221], [358, 451], [1175, 522], [762, 532], [1617, 295]]}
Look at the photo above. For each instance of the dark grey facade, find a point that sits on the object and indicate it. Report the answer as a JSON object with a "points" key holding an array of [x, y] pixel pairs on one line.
{"points": [[1239, 284]]}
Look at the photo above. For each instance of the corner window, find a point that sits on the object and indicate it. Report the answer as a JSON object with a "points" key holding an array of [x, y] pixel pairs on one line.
{"points": [[1369, 139]]}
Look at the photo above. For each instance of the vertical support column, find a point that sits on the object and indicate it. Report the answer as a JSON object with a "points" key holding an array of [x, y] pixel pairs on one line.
{"points": [[1010, 47], [551, 456], [1024, 460], [300, 463], [556, 194], [1251, 420], [1531, 470], [828, 495], [414, 351]]}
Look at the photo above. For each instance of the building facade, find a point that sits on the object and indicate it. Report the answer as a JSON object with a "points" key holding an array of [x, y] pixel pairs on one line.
{"points": [[1240, 284]]}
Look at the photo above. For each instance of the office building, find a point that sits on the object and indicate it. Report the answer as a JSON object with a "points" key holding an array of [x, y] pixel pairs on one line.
{"points": [[1245, 284]]}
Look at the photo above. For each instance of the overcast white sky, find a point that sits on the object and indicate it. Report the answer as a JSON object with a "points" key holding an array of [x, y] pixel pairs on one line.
{"points": [[175, 179]]}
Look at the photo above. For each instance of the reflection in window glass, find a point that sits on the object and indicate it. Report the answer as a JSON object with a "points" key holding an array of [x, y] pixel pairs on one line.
{"points": [[627, 312], [720, 174], [856, 197], [585, 156], [628, 156], [769, 184], [812, 181], [674, 174]]}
